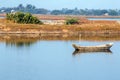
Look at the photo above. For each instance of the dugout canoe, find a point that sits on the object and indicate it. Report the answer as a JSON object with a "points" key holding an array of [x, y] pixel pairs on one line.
{"points": [[93, 48]]}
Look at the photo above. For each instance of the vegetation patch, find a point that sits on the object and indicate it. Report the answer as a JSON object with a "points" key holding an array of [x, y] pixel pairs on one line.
{"points": [[72, 21], [25, 18]]}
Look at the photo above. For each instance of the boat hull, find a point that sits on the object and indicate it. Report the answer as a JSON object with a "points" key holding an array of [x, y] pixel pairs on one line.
{"points": [[93, 48]]}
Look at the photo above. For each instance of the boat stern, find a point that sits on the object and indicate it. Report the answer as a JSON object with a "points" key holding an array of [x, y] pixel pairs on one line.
{"points": [[75, 46]]}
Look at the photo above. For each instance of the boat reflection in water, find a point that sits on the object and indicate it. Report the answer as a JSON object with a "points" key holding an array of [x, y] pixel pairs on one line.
{"points": [[77, 52]]}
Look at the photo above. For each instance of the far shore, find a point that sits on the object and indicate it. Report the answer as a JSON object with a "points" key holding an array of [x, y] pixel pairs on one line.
{"points": [[42, 16]]}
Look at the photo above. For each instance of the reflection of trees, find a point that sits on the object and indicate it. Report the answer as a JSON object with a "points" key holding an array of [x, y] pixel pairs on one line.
{"points": [[18, 40], [19, 44], [29, 39]]}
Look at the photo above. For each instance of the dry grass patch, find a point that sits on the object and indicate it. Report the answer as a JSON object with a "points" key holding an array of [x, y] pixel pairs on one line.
{"points": [[86, 26]]}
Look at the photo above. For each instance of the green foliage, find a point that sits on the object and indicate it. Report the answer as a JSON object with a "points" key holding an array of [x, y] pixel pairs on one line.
{"points": [[72, 21], [25, 18], [56, 12]]}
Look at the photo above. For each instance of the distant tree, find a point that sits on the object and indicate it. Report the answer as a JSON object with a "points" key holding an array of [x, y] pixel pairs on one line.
{"points": [[41, 11], [20, 6], [69, 12], [56, 12], [29, 6], [113, 12], [104, 11], [64, 10]]}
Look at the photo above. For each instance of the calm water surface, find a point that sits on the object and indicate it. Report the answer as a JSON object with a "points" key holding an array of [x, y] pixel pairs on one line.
{"points": [[2, 17], [55, 60], [111, 19]]}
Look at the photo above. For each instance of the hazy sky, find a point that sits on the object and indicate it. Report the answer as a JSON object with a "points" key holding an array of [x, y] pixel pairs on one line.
{"points": [[58, 4]]}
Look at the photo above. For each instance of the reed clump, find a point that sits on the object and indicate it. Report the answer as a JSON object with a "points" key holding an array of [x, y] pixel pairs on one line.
{"points": [[25, 18]]}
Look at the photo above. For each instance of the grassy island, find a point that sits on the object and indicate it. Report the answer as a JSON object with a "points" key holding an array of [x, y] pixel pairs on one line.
{"points": [[16, 25]]}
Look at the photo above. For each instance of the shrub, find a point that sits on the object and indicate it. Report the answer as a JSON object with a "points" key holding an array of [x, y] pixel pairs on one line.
{"points": [[25, 18], [72, 21]]}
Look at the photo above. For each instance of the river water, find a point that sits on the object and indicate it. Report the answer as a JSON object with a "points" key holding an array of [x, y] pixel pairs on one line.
{"points": [[108, 19], [2, 17], [55, 59]]}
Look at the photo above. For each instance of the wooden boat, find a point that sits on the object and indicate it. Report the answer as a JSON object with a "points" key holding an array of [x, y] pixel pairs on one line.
{"points": [[93, 48]]}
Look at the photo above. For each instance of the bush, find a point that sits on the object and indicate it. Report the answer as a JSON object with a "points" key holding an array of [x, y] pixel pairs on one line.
{"points": [[72, 21], [25, 18]]}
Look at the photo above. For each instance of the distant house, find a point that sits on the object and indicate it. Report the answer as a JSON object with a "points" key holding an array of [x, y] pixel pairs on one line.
{"points": [[106, 14], [12, 11], [2, 11]]}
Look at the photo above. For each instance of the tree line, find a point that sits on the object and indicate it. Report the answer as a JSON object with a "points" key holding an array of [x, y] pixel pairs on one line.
{"points": [[65, 11]]}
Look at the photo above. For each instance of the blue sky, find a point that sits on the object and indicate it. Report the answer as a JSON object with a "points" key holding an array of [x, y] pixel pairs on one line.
{"points": [[58, 4]]}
